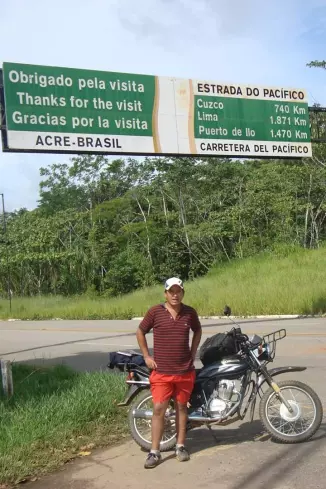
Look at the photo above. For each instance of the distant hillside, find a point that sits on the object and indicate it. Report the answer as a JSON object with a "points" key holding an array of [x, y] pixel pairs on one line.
{"points": [[110, 227], [265, 284]]}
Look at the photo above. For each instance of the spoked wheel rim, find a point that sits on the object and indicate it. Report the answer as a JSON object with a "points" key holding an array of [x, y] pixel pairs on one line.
{"points": [[144, 426], [282, 420]]}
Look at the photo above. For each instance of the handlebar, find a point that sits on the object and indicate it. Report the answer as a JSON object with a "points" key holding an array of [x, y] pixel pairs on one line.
{"points": [[239, 335], [244, 343]]}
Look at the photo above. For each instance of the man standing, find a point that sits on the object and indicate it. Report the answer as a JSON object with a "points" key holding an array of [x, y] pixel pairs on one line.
{"points": [[172, 365]]}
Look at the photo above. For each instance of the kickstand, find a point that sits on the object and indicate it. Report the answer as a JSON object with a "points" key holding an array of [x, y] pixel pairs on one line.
{"points": [[212, 433]]}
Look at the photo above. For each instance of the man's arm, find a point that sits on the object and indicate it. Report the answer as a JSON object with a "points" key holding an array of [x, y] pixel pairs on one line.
{"points": [[145, 326], [195, 342], [142, 342], [196, 328]]}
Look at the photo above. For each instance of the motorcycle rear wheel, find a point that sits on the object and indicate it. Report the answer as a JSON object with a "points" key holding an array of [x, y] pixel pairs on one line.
{"points": [[140, 429], [285, 426]]}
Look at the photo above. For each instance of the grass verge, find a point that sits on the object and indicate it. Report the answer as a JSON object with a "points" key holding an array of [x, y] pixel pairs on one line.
{"points": [[266, 284], [54, 415]]}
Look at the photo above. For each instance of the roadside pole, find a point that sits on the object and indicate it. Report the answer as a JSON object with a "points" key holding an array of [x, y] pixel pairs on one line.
{"points": [[6, 373], [7, 250]]}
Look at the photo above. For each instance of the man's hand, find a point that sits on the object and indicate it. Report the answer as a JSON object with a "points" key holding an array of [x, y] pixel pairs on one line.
{"points": [[151, 364]]}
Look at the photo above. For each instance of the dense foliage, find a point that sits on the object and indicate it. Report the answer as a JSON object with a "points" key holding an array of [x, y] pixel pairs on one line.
{"points": [[109, 226]]}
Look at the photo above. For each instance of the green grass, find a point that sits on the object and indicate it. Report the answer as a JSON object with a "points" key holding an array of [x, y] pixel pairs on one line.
{"points": [[266, 284], [54, 415]]}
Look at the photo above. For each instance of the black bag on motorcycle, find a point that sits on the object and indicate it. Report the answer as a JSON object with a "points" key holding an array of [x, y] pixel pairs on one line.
{"points": [[216, 347], [120, 359]]}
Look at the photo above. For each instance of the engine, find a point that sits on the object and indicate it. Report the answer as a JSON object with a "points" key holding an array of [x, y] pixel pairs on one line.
{"points": [[223, 397]]}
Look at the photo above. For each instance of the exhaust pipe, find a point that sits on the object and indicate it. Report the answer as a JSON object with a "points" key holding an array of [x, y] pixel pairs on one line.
{"points": [[142, 414], [220, 421], [202, 419], [148, 414]]}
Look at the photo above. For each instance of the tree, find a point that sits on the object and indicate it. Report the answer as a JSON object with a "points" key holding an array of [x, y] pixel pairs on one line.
{"points": [[317, 64], [113, 225]]}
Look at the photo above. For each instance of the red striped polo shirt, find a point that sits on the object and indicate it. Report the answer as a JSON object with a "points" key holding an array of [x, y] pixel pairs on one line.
{"points": [[171, 337]]}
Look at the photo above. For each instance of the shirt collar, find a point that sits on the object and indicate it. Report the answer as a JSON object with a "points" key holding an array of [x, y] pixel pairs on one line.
{"points": [[181, 309]]}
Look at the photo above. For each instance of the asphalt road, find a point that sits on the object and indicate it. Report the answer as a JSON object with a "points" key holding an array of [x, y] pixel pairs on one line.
{"points": [[84, 345], [241, 456]]}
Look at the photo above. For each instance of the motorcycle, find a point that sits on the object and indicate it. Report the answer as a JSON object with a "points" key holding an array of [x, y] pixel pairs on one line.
{"points": [[224, 391]]}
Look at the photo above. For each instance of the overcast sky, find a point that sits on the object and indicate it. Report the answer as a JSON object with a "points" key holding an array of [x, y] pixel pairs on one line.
{"points": [[224, 40]]}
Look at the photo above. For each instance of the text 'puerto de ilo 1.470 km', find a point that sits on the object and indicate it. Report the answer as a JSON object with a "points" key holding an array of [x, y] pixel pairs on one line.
{"points": [[70, 110]]}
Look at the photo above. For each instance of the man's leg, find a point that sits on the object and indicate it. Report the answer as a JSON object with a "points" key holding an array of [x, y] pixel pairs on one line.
{"points": [[181, 422], [158, 424], [184, 388], [162, 391]]}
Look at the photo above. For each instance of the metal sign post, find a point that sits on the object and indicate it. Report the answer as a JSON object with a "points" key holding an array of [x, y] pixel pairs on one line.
{"points": [[7, 382], [317, 116], [7, 250]]}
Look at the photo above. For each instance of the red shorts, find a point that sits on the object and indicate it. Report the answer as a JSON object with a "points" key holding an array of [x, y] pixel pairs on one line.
{"points": [[164, 387]]}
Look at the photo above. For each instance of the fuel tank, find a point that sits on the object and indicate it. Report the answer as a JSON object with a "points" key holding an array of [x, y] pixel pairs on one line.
{"points": [[228, 367]]}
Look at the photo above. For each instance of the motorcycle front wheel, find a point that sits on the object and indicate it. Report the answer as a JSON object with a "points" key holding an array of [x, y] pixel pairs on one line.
{"points": [[141, 429], [296, 426]]}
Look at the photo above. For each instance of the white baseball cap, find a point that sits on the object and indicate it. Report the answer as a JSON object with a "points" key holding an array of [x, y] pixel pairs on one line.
{"points": [[173, 281]]}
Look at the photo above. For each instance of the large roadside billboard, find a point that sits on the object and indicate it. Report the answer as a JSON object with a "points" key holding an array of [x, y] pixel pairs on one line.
{"points": [[53, 109]]}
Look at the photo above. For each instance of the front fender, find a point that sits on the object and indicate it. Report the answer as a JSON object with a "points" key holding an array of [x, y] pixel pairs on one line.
{"points": [[278, 371]]}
